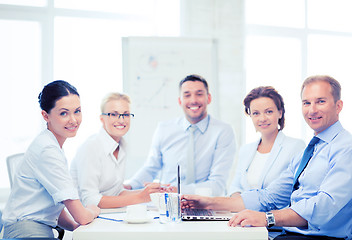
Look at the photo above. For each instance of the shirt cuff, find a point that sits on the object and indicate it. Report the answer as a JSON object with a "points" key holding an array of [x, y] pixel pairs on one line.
{"points": [[134, 184], [64, 195], [303, 210], [92, 200], [251, 200]]}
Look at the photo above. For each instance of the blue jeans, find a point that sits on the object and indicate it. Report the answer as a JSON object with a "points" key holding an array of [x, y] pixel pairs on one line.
{"points": [[28, 229]]}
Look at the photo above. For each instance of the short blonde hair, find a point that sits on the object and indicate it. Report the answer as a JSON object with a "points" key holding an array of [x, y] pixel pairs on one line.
{"points": [[114, 96]]}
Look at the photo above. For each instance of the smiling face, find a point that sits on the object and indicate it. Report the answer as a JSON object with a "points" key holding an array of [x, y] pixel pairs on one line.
{"points": [[265, 115], [194, 100], [65, 118], [116, 127], [318, 106]]}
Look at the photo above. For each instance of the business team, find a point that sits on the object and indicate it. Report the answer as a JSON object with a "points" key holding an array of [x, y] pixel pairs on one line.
{"points": [[310, 199]]}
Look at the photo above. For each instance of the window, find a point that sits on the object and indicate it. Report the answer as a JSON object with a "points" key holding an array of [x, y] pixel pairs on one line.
{"points": [[20, 63], [274, 61], [329, 15], [280, 13], [77, 41], [284, 47], [36, 3], [332, 54]]}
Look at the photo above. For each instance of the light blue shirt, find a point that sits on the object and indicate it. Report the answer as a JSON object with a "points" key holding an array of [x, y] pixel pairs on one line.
{"points": [[41, 183], [214, 153], [324, 196], [281, 154]]}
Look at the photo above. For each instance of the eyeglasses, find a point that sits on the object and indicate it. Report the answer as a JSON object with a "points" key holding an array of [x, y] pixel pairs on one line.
{"points": [[118, 115]]}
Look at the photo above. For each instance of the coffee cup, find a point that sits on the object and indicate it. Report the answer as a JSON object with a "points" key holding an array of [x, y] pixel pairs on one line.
{"points": [[136, 212]]}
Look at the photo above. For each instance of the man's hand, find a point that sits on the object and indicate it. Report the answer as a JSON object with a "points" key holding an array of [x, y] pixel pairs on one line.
{"points": [[163, 187], [171, 189], [150, 188], [248, 218], [196, 201]]}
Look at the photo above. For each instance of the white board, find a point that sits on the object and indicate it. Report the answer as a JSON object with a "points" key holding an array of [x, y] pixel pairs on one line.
{"points": [[152, 70]]}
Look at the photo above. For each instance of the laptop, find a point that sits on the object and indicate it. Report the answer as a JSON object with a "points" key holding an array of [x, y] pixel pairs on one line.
{"points": [[192, 214]]}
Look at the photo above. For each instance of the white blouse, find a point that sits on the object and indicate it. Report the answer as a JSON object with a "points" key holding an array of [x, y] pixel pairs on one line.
{"points": [[95, 170], [42, 181], [259, 162]]}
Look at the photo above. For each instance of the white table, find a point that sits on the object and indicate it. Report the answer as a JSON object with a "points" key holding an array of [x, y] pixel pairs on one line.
{"points": [[153, 230]]}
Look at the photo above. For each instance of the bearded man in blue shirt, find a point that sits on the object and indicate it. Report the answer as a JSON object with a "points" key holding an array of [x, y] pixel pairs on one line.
{"points": [[318, 193], [204, 165]]}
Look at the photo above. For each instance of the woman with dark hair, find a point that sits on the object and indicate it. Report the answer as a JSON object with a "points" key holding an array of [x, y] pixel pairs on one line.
{"points": [[42, 185], [260, 162]]}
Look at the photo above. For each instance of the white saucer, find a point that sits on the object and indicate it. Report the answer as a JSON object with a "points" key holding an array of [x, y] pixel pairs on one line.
{"points": [[137, 220]]}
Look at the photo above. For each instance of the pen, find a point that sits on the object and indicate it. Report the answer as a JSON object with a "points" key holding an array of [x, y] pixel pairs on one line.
{"points": [[117, 220], [111, 219], [178, 179]]}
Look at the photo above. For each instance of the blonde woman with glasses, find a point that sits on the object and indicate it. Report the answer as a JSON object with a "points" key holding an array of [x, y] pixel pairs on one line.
{"points": [[99, 165]]}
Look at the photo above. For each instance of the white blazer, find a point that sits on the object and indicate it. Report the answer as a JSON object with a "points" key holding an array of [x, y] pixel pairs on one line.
{"points": [[282, 152]]}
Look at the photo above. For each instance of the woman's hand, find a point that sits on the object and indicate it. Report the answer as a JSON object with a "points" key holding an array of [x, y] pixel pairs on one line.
{"points": [[94, 210]]}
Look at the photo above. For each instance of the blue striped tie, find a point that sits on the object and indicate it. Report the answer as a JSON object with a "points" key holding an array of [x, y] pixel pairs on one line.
{"points": [[305, 159]]}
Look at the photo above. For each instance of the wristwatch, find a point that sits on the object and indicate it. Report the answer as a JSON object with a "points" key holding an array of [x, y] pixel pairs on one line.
{"points": [[270, 219]]}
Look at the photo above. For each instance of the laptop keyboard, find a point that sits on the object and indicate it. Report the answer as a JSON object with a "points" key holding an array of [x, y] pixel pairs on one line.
{"points": [[197, 212]]}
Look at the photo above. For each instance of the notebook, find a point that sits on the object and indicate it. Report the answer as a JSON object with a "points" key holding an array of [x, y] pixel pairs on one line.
{"points": [[191, 214]]}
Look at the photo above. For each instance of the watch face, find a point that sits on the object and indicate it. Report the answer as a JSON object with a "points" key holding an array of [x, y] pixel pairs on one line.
{"points": [[270, 219]]}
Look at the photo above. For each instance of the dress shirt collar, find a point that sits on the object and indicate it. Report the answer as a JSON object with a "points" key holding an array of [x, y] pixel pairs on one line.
{"points": [[52, 136], [108, 143], [201, 125], [331, 132]]}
